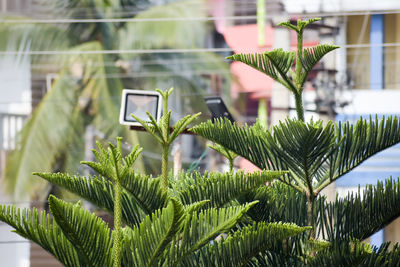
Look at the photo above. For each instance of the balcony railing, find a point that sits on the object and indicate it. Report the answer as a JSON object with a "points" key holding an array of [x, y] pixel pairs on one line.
{"points": [[10, 125]]}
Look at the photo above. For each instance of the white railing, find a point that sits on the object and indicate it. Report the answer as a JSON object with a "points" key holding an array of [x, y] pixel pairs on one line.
{"points": [[10, 125], [15, 6]]}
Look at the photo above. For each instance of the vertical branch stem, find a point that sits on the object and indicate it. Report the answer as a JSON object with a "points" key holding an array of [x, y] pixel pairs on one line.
{"points": [[299, 65], [164, 166], [299, 106], [299, 72], [117, 223], [165, 105], [230, 164], [310, 214]]}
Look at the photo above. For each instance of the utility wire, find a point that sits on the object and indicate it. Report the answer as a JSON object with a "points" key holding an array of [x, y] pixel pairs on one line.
{"points": [[119, 20], [113, 52], [208, 18], [160, 51]]}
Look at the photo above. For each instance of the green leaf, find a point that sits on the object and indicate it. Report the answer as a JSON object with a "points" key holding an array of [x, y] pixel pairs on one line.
{"points": [[110, 163], [312, 55], [360, 215], [303, 149], [275, 64], [289, 25], [82, 104], [314, 154], [384, 256], [301, 24], [201, 228], [277, 202], [176, 28], [358, 143], [154, 130], [146, 190], [230, 155], [155, 127], [196, 206], [39, 148], [132, 157], [40, 229], [248, 142], [220, 188], [37, 37], [348, 253], [88, 233], [241, 247], [145, 245], [181, 125], [100, 192]]}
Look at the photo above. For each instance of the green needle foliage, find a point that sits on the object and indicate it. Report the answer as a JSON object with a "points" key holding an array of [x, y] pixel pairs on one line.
{"points": [[162, 133], [274, 217], [230, 155], [315, 154], [278, 63], [198, 220]]}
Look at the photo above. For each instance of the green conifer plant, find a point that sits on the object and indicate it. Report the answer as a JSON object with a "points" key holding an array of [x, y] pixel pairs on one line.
{"points": [[315, 155], [194, 221]]}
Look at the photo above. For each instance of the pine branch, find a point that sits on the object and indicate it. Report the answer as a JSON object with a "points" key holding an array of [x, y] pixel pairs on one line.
{"points": [[100, 192], [359, 142], [312, 55], [277, 202], [275, 64], [146, 244], [348, 253], [146, 190], [199, 229], [230, 155], [86, 232], [360, 215], [241, 247], [220, 188], [40, 229]]}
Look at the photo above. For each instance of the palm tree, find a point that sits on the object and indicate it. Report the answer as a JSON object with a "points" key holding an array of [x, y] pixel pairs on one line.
{"points": [[87, 90]]}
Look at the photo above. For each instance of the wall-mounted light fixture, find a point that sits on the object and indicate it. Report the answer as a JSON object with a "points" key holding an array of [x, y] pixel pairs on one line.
{"points": [[218, 108], [137, 102]]}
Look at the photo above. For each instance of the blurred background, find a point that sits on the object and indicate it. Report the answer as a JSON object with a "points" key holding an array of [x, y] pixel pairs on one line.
{"points": [[64, 63]]}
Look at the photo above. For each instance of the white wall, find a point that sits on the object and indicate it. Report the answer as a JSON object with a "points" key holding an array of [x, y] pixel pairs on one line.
{"points": [[373, 102], [14, 250]]}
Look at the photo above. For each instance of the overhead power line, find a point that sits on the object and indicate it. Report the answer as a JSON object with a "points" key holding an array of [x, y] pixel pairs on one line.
{"points": [[118, 20], [160, 51], [112, 52], [207, 18]]}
